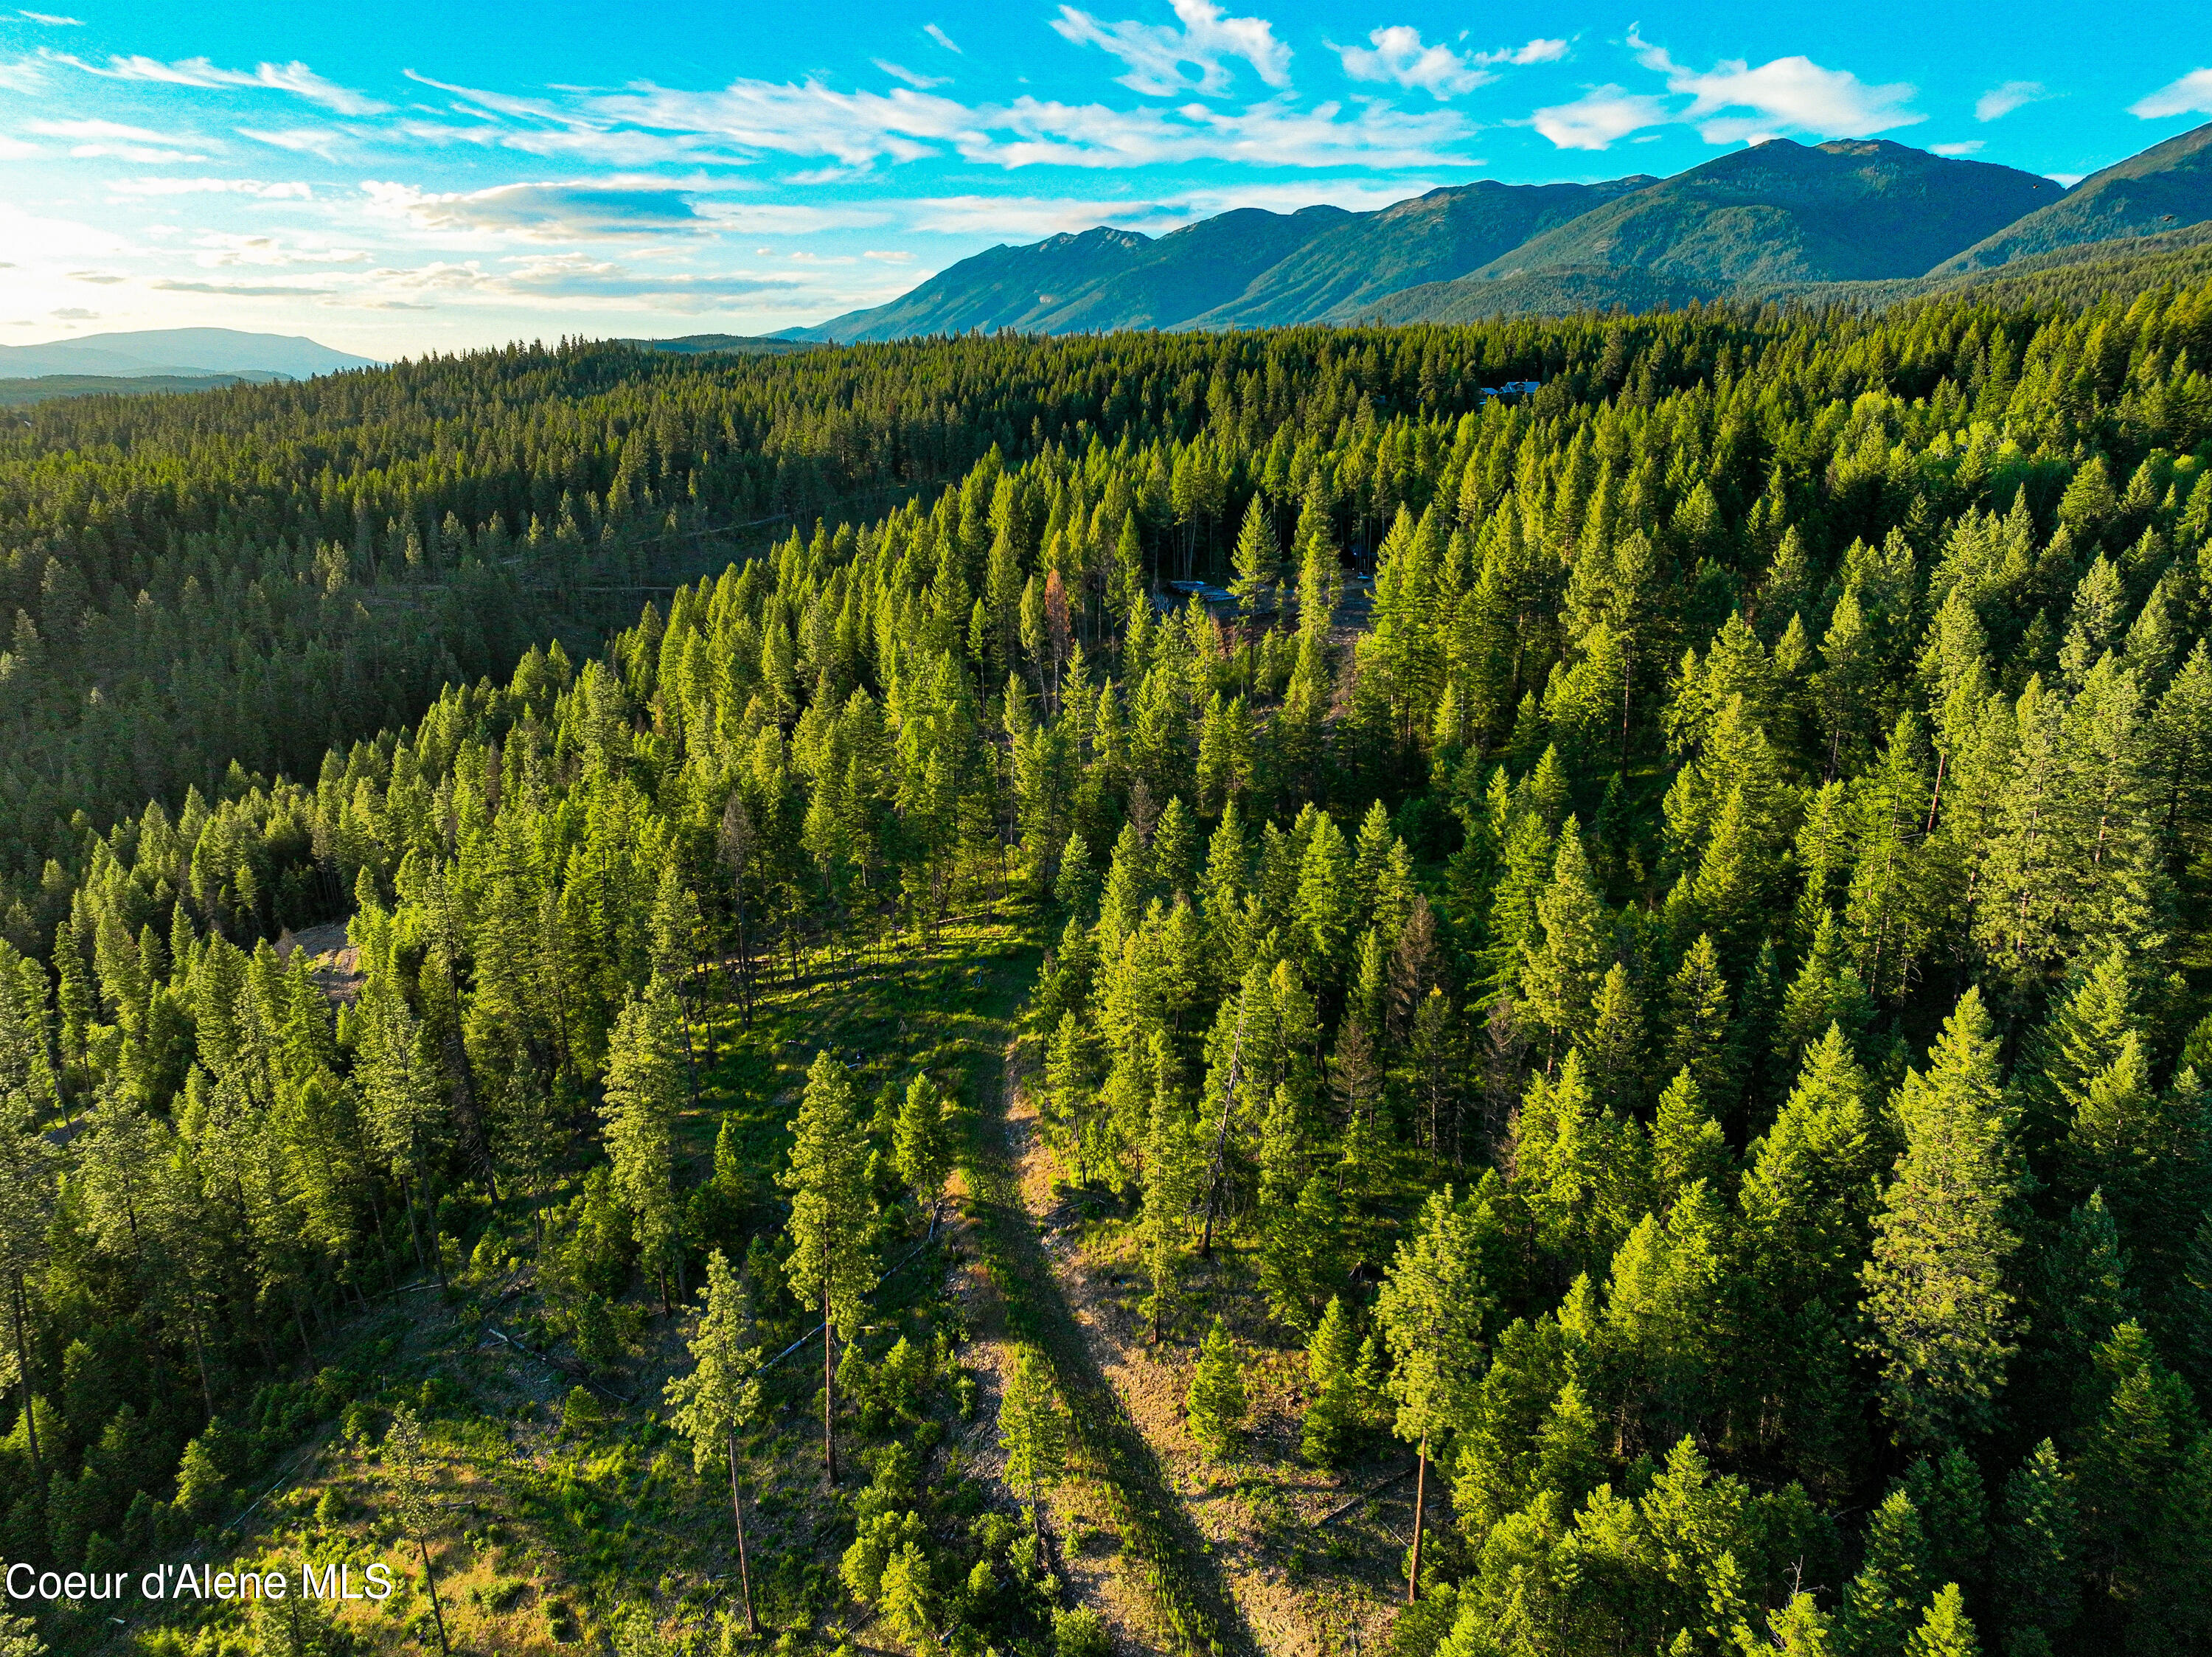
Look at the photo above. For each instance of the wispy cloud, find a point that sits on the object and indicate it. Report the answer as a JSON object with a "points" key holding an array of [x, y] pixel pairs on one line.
{"points": [[572, 279], [1788, 95], [255, 187], [219, 249], [540, 212], [294, 77], [898, 72], [115, 141], [15, 149], [2001, 101], [1600, 117], [240, 289], [52, 21], [1156, 54], [1535, 52], [325, 142], [1029, 218], [941, 38], [2190, 96], [857, 129], [1969, 147]]}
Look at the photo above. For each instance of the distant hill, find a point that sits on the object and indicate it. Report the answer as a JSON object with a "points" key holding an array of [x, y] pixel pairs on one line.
{"points": [[732, 344], [2167, 187], [18, 393], [190, 351]]}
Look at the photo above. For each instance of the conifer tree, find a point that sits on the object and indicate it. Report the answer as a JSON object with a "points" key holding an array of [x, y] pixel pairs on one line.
{"points": [[27, 1171], [1563, 961], [1334, 1407], [829, 1266], [1032, 1427], [1257, 560], [919, 1143], [2038, 1564], [1936, 1288], [1433, 1311], [1698, 1005], [409, 1473], [1797, 1630], [721, 1395], [1884, 1600], [1216, 1405], [1945, 1629], [644, 1093]]}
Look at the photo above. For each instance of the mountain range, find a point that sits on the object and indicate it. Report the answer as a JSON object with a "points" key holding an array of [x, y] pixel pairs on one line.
{"points": [[176, 352], [1781, 217]]}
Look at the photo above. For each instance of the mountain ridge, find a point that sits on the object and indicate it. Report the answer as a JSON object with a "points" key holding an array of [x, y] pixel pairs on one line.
{"points": [[1776, 217]]}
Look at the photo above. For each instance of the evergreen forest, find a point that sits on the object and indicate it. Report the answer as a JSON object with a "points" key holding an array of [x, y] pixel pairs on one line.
{"points": [[1185, 993]]}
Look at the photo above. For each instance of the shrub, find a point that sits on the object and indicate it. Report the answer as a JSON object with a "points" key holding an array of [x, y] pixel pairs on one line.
{"points": [[1080, 1632]]}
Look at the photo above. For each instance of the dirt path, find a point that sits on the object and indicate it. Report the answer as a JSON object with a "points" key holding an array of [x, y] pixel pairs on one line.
{"points": [[1256, 1517], [1130, 1549]]}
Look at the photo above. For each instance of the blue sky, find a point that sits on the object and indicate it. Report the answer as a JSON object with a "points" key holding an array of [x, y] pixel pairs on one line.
{"points": [[398, 177]]}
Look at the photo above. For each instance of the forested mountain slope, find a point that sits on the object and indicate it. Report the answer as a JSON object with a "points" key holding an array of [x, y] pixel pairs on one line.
{"points": [[241, 577], [1689, 1018], [1439, 235], [1850, 209], [1097, 279], [1778, 218], [2166, 187]]}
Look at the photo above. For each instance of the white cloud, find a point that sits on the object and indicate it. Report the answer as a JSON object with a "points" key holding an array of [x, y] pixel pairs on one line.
{"points": [[571, 278], [1788, 95], [645, 125], [539, 212], [890, 256], [2001, 101], [1599, 118], [90, 129], [1156, 53], [1968, 148], [941, 38], [117, 142], [924, 82], [2190, 96], [1536, 51], [52, 21], [294, 77], [15, 149], [1396, 54], [2070, 179], [219, 250], [21, 74], [321, 141], [1274, 133], [255, 187], [1030, 218], [241, 290], [28, 236]]}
